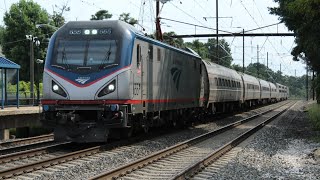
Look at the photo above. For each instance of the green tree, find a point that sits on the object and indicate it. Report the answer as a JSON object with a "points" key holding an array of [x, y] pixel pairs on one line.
{"points": [[208, 50], [177, 42], [225, 58], [57, 18], [302, 17], [20, 21], [101, 15], [237, 67], [126, 18], [1, 34], [199, 47]]}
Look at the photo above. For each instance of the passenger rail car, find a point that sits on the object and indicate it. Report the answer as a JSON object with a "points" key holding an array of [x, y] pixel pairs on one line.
{"points": [[225, 88], [251, 89], [105, 78]]}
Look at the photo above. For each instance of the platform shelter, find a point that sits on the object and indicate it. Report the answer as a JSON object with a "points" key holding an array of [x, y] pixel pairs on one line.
{"points": [[9, 82]]}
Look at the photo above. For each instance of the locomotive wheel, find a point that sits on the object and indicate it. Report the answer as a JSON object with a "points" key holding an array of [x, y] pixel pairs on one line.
{"points": [[126, 133], [145, 128]]}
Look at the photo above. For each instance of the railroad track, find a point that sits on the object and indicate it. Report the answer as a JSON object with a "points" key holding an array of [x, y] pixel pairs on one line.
{"points": [[30, 140], [185, 159], [56, 163], [10, 160], [27, 144]]}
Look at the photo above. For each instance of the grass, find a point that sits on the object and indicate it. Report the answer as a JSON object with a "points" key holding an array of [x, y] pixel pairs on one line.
{"points": [[314, 115]]}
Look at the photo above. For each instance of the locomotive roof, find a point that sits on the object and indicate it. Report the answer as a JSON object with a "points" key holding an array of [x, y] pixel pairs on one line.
{"points": [[121, 27]]}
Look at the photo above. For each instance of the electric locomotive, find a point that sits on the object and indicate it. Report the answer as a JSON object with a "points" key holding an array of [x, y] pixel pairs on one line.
{"points": [[104, 78]]}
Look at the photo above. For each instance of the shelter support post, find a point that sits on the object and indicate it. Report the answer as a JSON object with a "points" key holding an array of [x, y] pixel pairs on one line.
{"points": [[4, 134], [17, 93], [2, 89]]}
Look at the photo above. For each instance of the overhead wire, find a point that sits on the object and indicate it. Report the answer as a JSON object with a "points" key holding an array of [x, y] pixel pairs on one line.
{"points": [[260, 29]]}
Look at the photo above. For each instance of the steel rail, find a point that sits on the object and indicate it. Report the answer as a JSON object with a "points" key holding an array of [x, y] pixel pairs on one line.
{"points": [[6, 151], [27, 140], [125, 169], [48, 162], [203, 163], [28, 153]]}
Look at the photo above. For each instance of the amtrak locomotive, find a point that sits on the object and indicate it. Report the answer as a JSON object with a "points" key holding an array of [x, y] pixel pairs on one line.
{"points": [[105, 78]]}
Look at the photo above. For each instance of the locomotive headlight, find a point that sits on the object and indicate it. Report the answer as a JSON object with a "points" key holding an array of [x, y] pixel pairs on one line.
{"points": [[55, 87], [111, 87], [58, 90]]}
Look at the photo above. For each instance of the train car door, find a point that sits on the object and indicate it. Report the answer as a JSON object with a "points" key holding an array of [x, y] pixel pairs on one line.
{"points": [[144, 75]]}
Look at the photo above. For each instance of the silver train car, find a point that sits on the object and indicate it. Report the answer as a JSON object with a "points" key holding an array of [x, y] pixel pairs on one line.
{"points": [[106, 79]]}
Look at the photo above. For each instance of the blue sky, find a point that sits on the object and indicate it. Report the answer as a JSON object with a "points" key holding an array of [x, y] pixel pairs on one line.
{"points": [[235, 15]]}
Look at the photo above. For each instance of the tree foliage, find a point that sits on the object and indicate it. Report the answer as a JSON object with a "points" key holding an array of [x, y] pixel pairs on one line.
{"points": [[302, 17], [126, 18], [208, 50], [1, 34], [101, 15], [176, 42], [57, 18], [297, 85], [20, 21]]}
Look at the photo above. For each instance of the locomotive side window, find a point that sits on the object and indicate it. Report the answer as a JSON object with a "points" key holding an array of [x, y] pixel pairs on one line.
{"points": [[158, 54], [150, 52], [138, 55]]}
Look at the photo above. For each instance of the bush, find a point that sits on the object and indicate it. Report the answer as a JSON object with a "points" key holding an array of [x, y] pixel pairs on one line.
{"points": [[314, 115]]}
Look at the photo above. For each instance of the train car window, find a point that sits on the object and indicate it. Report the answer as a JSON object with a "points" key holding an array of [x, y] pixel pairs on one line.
{"points": [[229, 83], [138, 55], [158, 54], [150, 52], [216, 80], [220, 82], [223, 82]]}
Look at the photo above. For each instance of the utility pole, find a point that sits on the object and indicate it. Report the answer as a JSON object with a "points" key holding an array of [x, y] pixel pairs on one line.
{"points": [[307, 87], [243, 51], [217, 30], [258, 61], [295, 73], [313, 86], [158, 27], [31, 38], [157, 19], [267, 60]]}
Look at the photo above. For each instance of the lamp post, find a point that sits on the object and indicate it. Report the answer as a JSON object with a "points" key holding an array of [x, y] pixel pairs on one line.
{"points": [[37, 42], [31, 39]]}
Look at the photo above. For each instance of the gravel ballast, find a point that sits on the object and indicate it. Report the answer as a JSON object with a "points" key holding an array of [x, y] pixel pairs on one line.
{"points": [[284, 149], [115, 158]]}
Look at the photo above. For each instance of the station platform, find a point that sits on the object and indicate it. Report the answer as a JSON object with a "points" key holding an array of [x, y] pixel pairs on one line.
{"points": [[21, 110], [22, 117]]}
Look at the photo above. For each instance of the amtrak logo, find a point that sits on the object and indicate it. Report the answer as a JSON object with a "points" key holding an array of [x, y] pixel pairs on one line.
{"points": [[82, 80], [176, 73]]}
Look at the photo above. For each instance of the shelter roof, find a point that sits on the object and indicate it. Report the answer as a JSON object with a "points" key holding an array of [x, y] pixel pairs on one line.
{"points": [[7, 64]]}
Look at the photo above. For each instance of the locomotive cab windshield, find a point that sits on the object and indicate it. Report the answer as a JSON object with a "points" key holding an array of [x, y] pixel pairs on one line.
{"points": [[86, 52]]}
